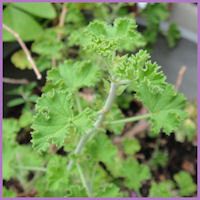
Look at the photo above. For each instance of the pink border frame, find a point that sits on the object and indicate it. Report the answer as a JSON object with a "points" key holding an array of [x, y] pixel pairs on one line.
{"points": [[108, 1]]}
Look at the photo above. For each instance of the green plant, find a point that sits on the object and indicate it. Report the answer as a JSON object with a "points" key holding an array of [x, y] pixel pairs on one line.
{"points": [[62, 119], [89, 165], [154, 14], [163, 189], [185, 183]]}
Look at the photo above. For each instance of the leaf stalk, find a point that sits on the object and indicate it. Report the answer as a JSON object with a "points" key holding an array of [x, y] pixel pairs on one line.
{"points": [[129, 119]]}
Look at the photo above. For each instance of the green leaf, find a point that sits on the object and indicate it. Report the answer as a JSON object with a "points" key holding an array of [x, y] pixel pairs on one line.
{"points": [[188, 128], [10, 128], [162, 189], [47, 45], [105, 39], [134, 173], [74, 15], [116, 166], [76, 191], [15, 102], [44, 10], [27, 89], [26, 119], [139, 70], [74, 75], [129, 38], [131, 146], [43, 63], [185, 183], [55, 120], [8, 193], [51, 122], [101, 149], [57, 178], [84, 121], [20, 60], [27, 157], [109, 190], [20, 22], [9, 150], [43, 191], [152, 75], [172, 35], [156, 12], [165, 106], [13, 154]]}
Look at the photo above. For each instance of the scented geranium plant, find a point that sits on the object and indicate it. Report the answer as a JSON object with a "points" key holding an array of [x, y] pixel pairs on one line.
{"points": [[65, 119], [72, 153]]}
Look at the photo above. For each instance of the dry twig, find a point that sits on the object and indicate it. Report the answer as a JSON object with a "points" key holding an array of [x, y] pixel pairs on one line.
{"points": [[62, 20], [61, 24], [25, 49], [180, 77], [15, 81]]}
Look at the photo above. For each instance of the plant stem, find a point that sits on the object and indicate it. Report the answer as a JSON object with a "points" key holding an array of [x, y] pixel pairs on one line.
{"points": [[85, 184], [31, 168], [130, 119], [77, 97], [98, 123]]}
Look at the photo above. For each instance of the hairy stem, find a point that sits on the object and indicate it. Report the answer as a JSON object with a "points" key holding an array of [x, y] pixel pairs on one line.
{"points": [[31, 168], [98, 123], [25, 49], [130, 119], [85, 183]]}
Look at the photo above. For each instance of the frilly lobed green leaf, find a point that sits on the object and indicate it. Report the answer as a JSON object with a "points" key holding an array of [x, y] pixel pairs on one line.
{"points": [[57, 178], [134, 173], [165, 106], [47, 45], [139, 70], [10, 129], [101, 149], [185, 183], [106, 39], [109, 190], [54, 120], [162, 189], [131, 146], [74, 75]]}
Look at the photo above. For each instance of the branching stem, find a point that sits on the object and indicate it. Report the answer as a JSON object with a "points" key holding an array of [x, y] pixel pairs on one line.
{"points": [[130, 119], [98, 123]]}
